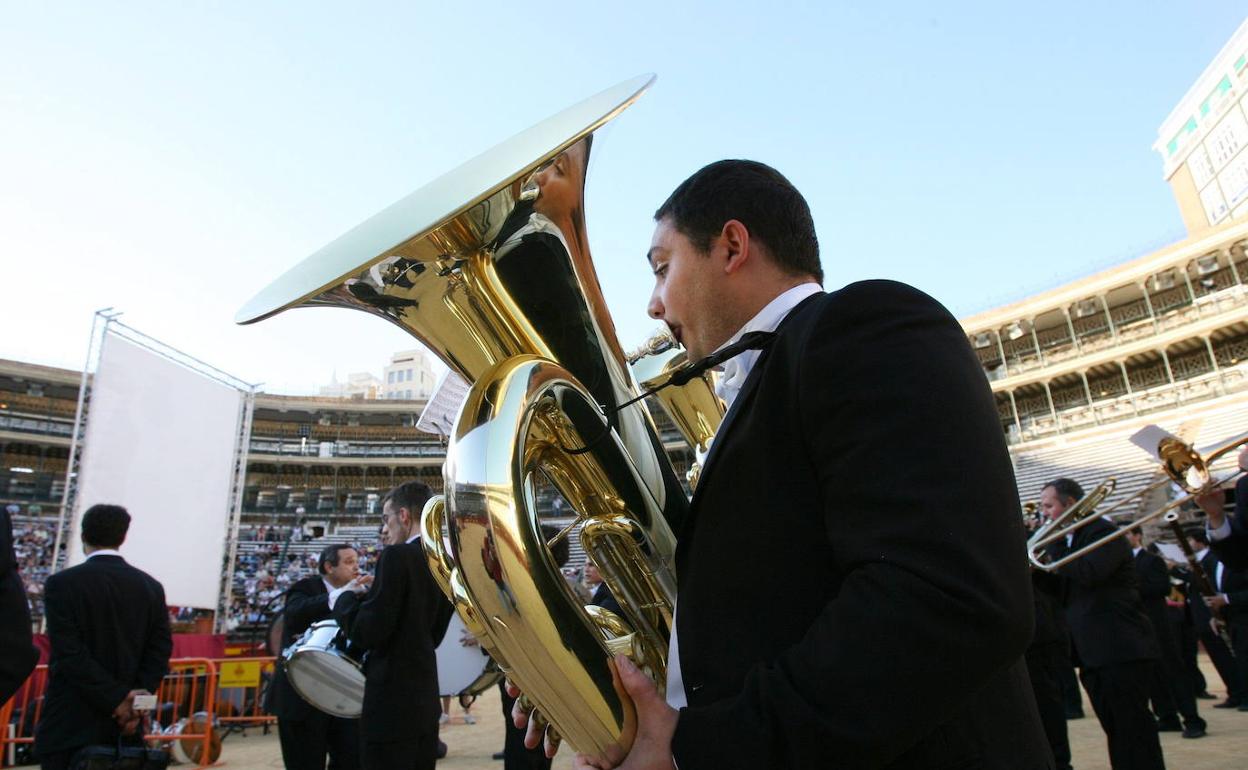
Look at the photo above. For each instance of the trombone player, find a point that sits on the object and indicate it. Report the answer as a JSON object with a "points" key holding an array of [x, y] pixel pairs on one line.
{"points": [[1114, 641], [1228, 536]]}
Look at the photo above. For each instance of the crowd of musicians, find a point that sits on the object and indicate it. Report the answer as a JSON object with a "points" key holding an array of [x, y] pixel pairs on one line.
{"points": [[1131, 620]]}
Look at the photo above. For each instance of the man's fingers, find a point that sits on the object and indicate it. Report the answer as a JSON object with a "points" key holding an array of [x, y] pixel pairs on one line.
{"points": [[635, 682], [520, 711]]}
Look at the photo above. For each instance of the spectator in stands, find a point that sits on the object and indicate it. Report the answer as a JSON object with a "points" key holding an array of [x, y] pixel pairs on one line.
{"points": [[109, 630], [1113, 638], [308, 735], [18, 655], [1171, 689], [400, 623], [1203, 618]]}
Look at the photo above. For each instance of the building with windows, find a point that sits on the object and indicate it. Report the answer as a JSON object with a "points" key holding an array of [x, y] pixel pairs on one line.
{"points": [[409, 376], [1202, 141]]}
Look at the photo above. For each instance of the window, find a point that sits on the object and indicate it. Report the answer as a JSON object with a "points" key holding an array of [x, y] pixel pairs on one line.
{"points": [[390, 377]]}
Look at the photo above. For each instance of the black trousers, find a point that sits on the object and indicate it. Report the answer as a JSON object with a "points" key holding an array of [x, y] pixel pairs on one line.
{"points": [[1222, 660], [515, 755], [1189, 649], [1045, 664], [1171, 689], [416, 752], [1119, 695], [57, 760], [307, 742]]}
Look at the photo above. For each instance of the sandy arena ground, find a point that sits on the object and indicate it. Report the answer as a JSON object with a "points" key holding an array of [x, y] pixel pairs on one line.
{"points": [[470, 746]]}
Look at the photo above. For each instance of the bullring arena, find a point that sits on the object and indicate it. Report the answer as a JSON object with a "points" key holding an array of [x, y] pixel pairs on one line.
{"points": [[235, 500], [1161, 339]]}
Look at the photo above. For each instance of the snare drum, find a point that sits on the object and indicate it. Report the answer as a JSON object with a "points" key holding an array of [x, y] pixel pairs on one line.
{"points": [[322, 672], [463, 670]]}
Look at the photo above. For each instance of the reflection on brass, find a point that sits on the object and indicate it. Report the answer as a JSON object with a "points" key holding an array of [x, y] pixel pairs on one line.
{"points": [[694, 407], [1183, 466], [489, 268]]}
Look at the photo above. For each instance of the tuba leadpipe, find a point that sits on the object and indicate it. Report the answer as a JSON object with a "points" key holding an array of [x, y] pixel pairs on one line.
{"points": [[489, 268]]}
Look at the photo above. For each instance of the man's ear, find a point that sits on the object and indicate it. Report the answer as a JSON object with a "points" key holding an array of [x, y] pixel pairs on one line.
{"points": [[735, 239]]}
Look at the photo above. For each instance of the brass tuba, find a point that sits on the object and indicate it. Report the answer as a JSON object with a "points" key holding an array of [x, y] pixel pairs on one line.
{"points": [[489, 267]]}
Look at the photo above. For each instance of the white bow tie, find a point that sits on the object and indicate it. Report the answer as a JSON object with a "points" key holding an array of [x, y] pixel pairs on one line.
{"points": [[731, 379]]}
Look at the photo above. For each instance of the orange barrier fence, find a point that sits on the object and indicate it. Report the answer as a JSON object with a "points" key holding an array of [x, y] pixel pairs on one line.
{"points": [[240, 688], [185, 698]]}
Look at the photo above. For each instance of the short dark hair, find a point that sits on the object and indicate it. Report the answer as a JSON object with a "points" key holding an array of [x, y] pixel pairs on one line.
{"points": [[411, 495], [1065, 488], [330, 555], [105, 526], [756, 195], [1198, 535]]}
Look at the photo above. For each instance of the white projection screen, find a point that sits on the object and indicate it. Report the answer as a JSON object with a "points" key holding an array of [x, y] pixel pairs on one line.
{"points": [[161, 440]]}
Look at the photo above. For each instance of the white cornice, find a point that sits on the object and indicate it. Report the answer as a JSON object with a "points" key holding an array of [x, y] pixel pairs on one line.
{"points": [[1130, 272]]}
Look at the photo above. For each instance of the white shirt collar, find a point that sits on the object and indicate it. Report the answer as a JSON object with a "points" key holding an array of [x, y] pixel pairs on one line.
{"points": [[1201, 553], [104, 552], [737, 369], [413, 537], [1136, 551], [329, 587]]}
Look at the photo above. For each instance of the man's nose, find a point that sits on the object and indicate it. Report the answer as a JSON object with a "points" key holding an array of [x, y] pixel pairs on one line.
{"points": [[655, 308]]}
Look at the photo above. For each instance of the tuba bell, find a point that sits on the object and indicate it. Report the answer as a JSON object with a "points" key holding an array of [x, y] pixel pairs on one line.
{"points": [[489, 268]]}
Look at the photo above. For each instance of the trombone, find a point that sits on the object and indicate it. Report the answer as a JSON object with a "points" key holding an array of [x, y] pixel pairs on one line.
{"points": [[1182, 464]]}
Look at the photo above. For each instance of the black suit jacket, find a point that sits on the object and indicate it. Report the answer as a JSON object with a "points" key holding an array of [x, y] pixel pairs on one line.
{"points": [[109, 630], [1233, 550], [853, 585], [18, 655], [307, 601], [1153, 580], [1102, 600], [605, 599], [400, 622]]}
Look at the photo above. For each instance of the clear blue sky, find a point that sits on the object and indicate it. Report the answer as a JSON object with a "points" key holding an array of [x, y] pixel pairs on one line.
{"points": [[169, 159]]}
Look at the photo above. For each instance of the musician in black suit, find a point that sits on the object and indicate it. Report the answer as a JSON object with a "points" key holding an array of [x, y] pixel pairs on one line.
{"points": [[1203, 618], [599, 592], [109, 630], [1229, 535], [400, 623], [853, 589], [1172, 693], [1113, 638], [18, 655], [1231, 603], [309, 736]]}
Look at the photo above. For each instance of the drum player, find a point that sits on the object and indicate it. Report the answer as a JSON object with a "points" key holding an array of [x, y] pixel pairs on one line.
{"points": [[308, 736]]}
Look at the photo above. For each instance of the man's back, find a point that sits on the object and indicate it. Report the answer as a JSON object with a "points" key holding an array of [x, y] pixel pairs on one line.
{"points": [[400, 622], [109, 631]]}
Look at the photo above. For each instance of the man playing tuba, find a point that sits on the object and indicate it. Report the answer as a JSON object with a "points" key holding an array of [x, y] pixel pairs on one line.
{"points": [[852, 589]]}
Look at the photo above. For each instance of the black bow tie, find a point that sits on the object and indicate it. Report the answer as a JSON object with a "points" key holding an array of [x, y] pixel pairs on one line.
{"points": [[750, 341]]}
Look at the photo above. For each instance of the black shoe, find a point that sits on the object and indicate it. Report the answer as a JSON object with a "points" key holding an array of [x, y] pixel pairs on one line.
{"points": [[1229, 703], [1194, 730], [499, 755], [1169, 726], [1074, 714], [1203, 695], [441, 749]]}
